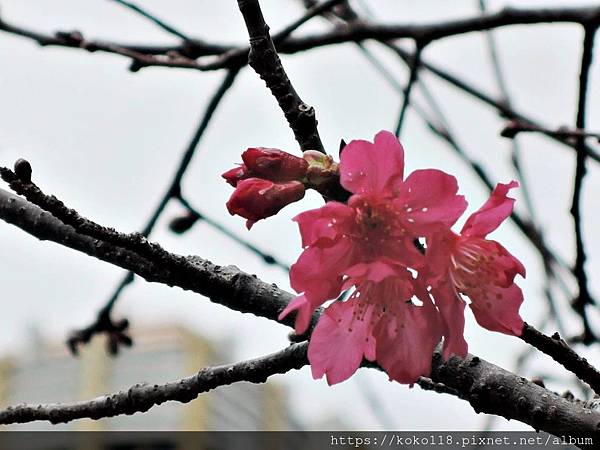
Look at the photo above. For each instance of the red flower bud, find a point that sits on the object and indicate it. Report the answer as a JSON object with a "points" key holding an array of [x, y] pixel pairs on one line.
{"points": [[233, 176], [273, 164], [256, 199]]}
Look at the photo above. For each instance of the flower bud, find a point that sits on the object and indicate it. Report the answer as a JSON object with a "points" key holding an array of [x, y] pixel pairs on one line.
{"points": [[273, 164], [321, 168], [256, 199], [233, 176]]}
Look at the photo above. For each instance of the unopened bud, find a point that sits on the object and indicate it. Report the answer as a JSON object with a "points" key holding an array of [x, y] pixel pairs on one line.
{"points": [[256, 199], [273, 164]]}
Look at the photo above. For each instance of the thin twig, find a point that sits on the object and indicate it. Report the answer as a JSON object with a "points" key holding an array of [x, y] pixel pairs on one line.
{"points": [[104, 322], [506, 98], [413, 75], [161, 23], [584, 298], [480, 95], [515, 127], [558, 349], [266, 257]]}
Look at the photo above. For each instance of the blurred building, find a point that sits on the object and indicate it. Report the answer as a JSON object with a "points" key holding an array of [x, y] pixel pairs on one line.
{"points": [[49, 374]]}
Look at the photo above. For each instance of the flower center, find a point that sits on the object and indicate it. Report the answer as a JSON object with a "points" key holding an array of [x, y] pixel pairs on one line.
{"points": [[473, 265], [375, 300], [377, 220]]}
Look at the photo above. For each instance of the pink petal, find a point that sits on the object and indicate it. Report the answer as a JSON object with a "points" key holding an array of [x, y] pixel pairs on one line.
{"points": [[325, 223], [318, 271], [304, 312], [375, 271], [497, 309], [487, 218], [430, 196], [452, 310], [339, 342], [406, 341], [508, 264], [439, 246], [377, 167]]}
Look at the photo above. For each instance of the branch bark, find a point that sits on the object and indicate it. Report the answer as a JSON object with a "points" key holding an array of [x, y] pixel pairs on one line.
{"points": [[264, 60]]}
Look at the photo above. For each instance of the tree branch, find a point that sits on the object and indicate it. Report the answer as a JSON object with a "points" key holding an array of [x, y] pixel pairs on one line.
{"points": [[557, 349], [184, 55], [488, 388], [225, 285], [264, 60], [104, 322], [584, 297], [480, 95], [142, 397]]}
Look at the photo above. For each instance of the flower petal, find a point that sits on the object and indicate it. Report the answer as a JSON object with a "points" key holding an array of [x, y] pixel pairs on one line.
{"points": [[507, 264], [493, 212], [318, 271], [430, 196], [304, 312], [339, 342], [452, 310], [498, 309], [367, 167], [375, 271], [317, 226], [406, 341]]}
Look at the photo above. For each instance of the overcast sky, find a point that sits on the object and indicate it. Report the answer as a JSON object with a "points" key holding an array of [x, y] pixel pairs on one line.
{"points": [[106, 141]]}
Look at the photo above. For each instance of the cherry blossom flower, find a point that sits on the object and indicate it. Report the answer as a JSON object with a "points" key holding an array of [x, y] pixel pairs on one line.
{"points": [[369, 244], [379, 224], [481, 269], [380, 323]]}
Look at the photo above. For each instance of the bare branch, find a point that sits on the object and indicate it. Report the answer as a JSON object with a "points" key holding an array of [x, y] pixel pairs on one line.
{"points": [[142, 397], [486, 387], [151, 17], [584, 298], [412, 77], [264, 60], [558, 349], [104, 322], [515, 127], [225, 285], [480, 95]]}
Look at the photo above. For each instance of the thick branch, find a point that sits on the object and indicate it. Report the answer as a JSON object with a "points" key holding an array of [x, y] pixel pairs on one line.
{"points": [[360, 31], [142, 397], [488, 388], [227, 285]]}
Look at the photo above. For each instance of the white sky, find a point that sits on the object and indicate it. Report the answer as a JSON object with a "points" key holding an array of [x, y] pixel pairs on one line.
{"points": [[106, 141]]}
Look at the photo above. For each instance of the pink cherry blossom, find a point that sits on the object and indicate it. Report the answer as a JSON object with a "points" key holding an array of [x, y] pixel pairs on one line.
{"points": [[369, 244], [378, 226], [380, 323], [481, 269]]}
